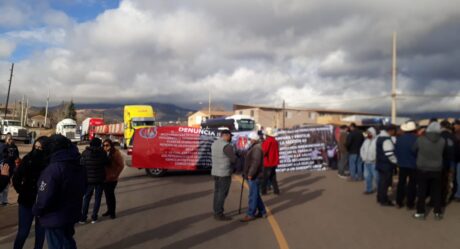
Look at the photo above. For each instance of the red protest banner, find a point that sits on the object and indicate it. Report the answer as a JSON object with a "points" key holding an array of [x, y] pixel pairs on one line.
{"points": [[178, 148]]}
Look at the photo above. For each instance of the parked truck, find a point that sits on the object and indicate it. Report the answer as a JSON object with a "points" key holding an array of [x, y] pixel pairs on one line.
{"points": [[13, 127], [88, 127], [68, 128], [135, 117]]}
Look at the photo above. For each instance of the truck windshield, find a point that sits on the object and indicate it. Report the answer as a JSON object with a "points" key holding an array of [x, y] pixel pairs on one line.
{"points": [[70, 126], [14, 123], [245, 125], [143, 123]]}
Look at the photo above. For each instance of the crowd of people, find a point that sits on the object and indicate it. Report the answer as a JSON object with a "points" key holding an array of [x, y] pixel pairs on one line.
{"points": [[260, 161], [55, 184], [424, 160]]}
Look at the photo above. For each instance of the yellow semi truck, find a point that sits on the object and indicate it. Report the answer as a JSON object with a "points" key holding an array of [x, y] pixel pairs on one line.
{"points": [[135, 117]]}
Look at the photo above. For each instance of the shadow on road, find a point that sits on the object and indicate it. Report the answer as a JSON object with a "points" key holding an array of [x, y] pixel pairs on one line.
{"points": [[165, 202], [158, 233]]}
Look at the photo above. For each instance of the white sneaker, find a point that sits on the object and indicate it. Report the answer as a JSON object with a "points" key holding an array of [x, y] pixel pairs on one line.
{"points": [[93, 221]]}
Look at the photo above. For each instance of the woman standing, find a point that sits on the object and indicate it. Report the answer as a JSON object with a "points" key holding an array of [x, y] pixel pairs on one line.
{"points": [[25, 182], [10, 154], [113, 171]]}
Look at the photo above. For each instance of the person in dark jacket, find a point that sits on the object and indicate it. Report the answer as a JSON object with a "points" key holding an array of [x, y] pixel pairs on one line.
{"points": [[95, 160], [4, 175], [430, 150], [456, 191], [270, 148], [253, 168], [385, 163], [10, 155], [25, 183], [60, 191], [354, 142], [448, 160], [407, 162], [112, 173]]}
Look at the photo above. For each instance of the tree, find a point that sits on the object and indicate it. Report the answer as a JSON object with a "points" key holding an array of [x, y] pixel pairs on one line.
{"points": [[70, 111]]}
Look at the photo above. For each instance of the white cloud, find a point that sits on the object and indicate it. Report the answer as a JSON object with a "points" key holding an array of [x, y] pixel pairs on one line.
{"points": [[6, 48], [310, 53]]}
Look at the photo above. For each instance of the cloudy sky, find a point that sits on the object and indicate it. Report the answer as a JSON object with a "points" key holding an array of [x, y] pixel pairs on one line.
{"points": [[312, 53]]}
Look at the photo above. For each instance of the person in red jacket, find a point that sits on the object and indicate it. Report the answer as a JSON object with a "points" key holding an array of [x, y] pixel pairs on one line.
{"points": [[270, 148]]}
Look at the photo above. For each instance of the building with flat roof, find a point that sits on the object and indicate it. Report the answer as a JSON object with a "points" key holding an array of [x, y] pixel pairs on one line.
{"points": [[195, 119], [277, 117]]}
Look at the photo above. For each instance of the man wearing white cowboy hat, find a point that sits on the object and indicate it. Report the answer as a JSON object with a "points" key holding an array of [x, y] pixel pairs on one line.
{"points": [[407, 162], [270, 148]]}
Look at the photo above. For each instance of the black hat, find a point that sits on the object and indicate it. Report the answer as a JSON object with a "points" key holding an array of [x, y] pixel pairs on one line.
{"points": [[457, 122], [95, 142], [390, 127], [56, 143]]}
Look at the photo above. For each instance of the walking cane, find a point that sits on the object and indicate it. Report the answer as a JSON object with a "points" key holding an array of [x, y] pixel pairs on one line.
{"points": [[241, 196]]}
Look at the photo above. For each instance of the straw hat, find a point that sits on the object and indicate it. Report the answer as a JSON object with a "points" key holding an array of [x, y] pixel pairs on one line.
{"points": [[409, 126], [270, 132]]}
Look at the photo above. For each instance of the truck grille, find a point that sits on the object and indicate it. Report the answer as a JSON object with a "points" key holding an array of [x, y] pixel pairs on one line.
{"points": [[22, 133], [70, 134]]}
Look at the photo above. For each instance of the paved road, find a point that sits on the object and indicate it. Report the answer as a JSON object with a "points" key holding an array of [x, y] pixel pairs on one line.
{"points": [[315, 210]]}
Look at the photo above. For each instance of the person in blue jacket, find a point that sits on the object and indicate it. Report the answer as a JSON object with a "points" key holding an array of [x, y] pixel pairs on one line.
{"points": [[61, 187], [407, 162]]}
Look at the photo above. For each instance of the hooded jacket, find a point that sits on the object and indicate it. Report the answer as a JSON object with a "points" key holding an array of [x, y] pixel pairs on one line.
{"points": [[26, 177], [95, 160], [61, 187], [254, 162], [369, 149], [271, 151], [430, 149]]}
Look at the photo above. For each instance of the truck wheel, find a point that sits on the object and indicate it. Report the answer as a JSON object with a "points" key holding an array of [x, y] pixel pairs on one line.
{"points": [[155, 172]]}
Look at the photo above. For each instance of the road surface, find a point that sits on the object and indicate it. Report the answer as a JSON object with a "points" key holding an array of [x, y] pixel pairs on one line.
{"points": [[315, 210]]}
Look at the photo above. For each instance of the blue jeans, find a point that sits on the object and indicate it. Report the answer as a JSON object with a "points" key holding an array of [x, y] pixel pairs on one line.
{"points": [[97, 188], [356, 167], [25, 220], [370, 176], [61, 238], [4, 195], [255, 201], [457, 194]]}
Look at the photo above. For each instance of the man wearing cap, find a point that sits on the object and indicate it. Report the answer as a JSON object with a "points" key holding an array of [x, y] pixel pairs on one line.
{"points": [[270, 148], [385, 163], [253, 168], [223, 157], [407, 162]]}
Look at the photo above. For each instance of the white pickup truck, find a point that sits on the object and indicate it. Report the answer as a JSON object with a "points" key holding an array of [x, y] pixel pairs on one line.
{"points": [[68, 128], [13, 127]]}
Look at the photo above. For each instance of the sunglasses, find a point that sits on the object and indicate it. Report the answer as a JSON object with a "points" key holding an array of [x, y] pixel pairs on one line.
{"points": [[106, 145]]}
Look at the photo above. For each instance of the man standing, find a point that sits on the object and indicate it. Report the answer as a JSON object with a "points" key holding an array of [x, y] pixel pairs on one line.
{"points": [[456, 194], [270, 148], [407, 161], [448, 160], [343, 153], [368, 154], [223, 157], [354, 142], [385, 164], [253, 168], [430, 149], [95, 160], [60, 190], [10, 154]]}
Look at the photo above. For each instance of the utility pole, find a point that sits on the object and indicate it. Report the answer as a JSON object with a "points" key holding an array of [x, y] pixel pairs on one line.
{"points": [[26, 113], [209, 108], [284, 114], [393, 91], [9, 89], [46, 109], [22, 110]]}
